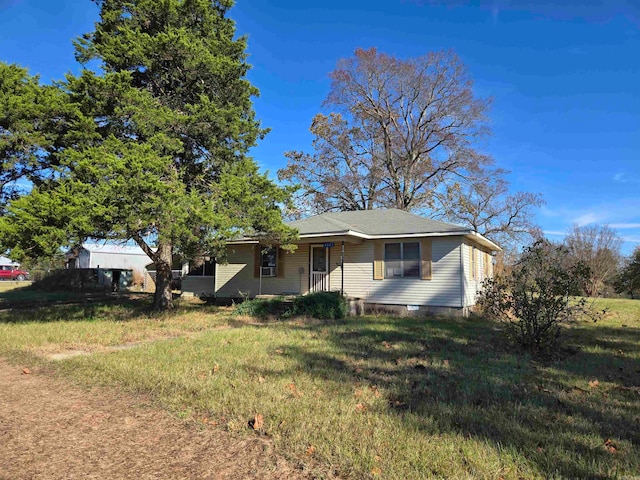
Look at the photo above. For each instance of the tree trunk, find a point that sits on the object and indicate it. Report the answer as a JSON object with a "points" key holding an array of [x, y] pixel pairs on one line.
{"points": [[163, 299]]}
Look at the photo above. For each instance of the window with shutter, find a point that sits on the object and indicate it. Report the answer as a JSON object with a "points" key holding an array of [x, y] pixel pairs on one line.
{"points": [[266, 262], [402, 260]]}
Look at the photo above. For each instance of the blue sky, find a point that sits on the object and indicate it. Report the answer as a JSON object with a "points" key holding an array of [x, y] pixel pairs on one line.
{"points": [[564, 75]]}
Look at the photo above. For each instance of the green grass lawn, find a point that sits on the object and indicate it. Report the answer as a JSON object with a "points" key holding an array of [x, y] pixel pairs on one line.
{"points": [[370, 397], [9, 285]]}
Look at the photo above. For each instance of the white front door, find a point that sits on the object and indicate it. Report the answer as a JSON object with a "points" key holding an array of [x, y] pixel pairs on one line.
{"points": [[319, 269]]}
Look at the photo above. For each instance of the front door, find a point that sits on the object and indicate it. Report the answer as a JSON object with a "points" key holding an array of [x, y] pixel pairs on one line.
{"points": [[319, 280]]}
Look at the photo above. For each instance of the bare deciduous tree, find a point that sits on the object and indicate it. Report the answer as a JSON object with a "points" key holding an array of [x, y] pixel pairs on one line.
{"points": [[598, 247], [397, 130], [403, 134], [484, 203]]}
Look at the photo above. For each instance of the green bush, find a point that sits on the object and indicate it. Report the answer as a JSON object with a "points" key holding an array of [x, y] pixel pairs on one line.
{"points": [[263, 308], [322, 305], [536, 296]]}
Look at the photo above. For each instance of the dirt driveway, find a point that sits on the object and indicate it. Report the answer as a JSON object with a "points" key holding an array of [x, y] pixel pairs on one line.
{"points": [[52, 430]]}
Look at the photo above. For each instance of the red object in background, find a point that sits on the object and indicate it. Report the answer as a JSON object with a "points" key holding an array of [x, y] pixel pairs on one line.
{"points": [[8, 272]]}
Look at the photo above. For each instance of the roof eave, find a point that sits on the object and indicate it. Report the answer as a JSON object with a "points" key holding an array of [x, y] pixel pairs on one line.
{"points": [[484, 241]]}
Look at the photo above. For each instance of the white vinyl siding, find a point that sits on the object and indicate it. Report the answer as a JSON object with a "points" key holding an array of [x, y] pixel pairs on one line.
{"points": [[236, 278], [443, 290], [477, 267], [451, 284]]}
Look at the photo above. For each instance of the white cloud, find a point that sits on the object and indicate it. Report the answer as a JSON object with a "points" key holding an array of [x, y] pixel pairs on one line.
{"points": [[619, 177], [587, 218], [632, 239], [625, 226], [624, 213], [622, 177]]}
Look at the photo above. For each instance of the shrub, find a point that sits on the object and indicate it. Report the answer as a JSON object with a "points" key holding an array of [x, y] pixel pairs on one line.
{"points": [[536, 296], [75, 279], [321, 305], [262, 308]]}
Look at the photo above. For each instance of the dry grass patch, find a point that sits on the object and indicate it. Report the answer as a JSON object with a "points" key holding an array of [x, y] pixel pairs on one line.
{"points": [[101, 325], [383, 397]]}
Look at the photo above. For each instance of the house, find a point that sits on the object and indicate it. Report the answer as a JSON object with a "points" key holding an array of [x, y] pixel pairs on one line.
{"points": [[107, 256], [389, 259], [7, 262], [113, 264], [179, 271], [198, 277]]}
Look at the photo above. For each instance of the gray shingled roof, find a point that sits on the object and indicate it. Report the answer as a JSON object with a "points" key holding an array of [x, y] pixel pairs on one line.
{"points": [[373, 222]]}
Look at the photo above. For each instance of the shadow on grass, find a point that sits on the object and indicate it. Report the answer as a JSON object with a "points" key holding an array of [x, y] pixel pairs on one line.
{"points": [[460, 376], [28, 305]]}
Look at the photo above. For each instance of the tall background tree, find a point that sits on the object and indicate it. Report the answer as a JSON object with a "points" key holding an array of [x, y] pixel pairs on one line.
{"points": [[628, 279], [155, 147], [405, 134], [598, 247]]}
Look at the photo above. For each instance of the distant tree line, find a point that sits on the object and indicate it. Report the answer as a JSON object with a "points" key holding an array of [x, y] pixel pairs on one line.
{"points": [[608, 272]]}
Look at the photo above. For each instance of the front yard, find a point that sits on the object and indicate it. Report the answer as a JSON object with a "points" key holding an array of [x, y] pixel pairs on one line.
{"points": [[369, 397]]}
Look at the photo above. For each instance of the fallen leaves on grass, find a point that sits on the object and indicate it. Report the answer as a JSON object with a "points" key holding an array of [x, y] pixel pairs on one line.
{"points": [[594, 383], [361, 407], [257, 423], [294, 390], [311, 450], [209, 421], [376, 471], [610, 446]]}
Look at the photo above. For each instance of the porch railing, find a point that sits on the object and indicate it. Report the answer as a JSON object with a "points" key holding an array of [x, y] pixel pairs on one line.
{"points": [[319, 282]]}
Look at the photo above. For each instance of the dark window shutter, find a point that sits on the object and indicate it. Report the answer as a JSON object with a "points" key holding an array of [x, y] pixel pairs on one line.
{"points": [[257, 259], [426, 258], [378, 261], [280, 260]]}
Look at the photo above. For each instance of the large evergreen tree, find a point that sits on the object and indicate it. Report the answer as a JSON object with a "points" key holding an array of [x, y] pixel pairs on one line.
{"points": [[156, 147]]}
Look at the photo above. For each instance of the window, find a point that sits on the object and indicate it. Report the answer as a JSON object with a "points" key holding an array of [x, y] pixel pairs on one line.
{"points": [[204, 269], [402, 259], [269, 262]]}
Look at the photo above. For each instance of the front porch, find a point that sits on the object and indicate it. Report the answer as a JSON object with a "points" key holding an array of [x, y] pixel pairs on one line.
{"points": [[253, 270]]}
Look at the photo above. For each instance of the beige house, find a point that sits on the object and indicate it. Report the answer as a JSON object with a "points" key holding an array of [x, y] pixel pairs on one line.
{"points": [[387, 258]]}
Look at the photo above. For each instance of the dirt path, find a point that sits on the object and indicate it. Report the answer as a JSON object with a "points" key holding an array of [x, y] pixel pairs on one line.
{"points": [[52, 430]]}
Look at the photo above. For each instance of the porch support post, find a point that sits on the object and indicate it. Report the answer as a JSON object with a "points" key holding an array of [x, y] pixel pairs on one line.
{"points": [[342, 270]]}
